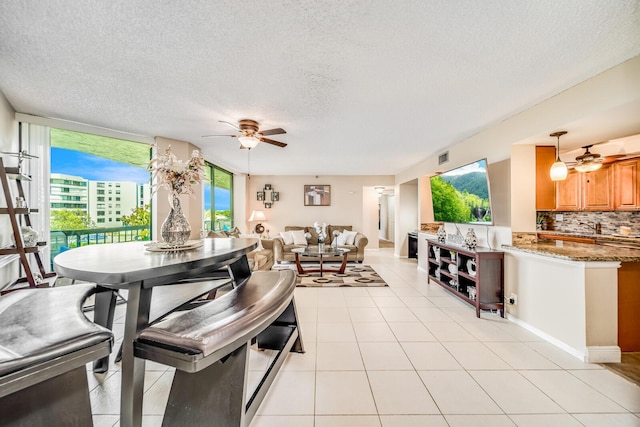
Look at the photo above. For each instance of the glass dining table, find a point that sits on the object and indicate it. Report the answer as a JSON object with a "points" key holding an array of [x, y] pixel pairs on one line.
{"points": [[157, 282]]}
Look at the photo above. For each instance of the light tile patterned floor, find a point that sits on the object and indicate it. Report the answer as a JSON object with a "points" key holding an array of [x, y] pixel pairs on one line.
{"points": [[406, 356]]}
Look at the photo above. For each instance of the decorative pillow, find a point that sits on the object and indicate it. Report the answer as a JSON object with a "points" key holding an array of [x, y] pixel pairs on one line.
{"points": [[342, 238], [287, 237], [298, 237], [234, 232], [350, 237]]}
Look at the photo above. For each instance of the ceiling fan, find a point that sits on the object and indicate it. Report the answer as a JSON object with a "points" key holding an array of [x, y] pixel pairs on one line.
{"points": [[250, 135], [589, 162]]}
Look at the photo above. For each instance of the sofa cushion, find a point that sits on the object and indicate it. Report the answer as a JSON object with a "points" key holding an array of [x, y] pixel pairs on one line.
{"points": [[218, 234], [287, 237], [298, 237], [350, 237]]}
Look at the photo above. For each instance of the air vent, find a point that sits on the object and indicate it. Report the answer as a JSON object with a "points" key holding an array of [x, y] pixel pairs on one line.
{"points": [[443, 158]]}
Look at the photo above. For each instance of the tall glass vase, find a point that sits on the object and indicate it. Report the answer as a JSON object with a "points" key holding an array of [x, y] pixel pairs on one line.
{"points": [[175, 229]]}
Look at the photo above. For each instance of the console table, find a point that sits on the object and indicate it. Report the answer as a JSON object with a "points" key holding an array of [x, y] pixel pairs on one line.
{"points": [[474, 275]]}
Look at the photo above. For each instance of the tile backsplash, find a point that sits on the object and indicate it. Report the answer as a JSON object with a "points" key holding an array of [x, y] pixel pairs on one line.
{"points": [[582, 222]]}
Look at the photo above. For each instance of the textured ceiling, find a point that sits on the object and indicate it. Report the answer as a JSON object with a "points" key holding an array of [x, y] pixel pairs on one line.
{"points": [[362, 87]]}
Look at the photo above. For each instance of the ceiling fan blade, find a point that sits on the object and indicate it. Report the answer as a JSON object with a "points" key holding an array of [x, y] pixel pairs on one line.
{"points": [[271, 141], [230, 124], [276, 131], [209, 136]]}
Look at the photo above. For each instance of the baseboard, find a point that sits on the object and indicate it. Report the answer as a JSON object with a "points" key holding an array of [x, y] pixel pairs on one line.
{"points": [[552, 340], [604, 354]]}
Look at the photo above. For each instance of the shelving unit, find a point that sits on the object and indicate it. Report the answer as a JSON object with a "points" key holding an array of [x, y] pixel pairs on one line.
{"points": [[452, 267], [19, 250]]}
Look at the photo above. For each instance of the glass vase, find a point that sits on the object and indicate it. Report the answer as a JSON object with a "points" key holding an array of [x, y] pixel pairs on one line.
{"points": [[175, 229]]}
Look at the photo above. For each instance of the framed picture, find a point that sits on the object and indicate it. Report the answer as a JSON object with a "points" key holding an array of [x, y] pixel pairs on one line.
{"points": [[317, 195], [260, 196], [267, 205], [267, 187], [275, 196]]}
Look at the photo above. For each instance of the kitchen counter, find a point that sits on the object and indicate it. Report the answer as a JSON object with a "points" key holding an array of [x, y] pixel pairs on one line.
{"points": [[572, 251], [596, 237]]}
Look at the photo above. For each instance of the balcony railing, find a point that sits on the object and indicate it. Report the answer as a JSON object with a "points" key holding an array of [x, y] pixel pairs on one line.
{"points": [[62, 240]]}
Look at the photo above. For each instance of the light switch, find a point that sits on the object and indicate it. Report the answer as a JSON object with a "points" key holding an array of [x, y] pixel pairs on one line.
{"points": [[559, 217]]}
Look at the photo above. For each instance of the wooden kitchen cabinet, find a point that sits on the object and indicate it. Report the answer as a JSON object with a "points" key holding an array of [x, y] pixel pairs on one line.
{"points": [[627, 188], [545, 187], [568, 193], [591, 191], [598, 189]]}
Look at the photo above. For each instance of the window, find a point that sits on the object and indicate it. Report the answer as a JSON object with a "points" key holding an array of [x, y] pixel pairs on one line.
{"points": [[218, 198], [84, 167]]}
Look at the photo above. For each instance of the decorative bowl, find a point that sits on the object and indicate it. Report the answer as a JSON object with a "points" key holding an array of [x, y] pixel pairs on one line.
{"points": [[453, 269], [471, 267]]}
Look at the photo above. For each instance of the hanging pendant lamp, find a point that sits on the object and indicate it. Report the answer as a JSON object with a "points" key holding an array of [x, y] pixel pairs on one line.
{"points": [[558, 170]]}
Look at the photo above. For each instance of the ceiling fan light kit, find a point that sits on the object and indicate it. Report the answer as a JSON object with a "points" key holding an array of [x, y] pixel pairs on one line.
{"points": [[558, 170], [248, 141], [588, 162], [249, 134]]}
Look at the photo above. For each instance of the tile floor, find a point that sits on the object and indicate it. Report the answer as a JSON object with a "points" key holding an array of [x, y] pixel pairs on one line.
{"points": [[408, 355]]}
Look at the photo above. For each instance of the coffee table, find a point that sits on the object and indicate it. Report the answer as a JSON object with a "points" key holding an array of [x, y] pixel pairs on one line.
{"points": [[318, 251]]}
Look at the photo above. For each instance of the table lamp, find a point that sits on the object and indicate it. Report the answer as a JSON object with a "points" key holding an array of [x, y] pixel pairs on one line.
{"points": [[258, 216]]}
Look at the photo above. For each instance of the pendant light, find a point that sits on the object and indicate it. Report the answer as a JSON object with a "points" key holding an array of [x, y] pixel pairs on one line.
{"points": [[558, 170]]}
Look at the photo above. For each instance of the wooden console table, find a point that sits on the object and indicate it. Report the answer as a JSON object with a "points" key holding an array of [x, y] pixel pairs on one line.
{"points": [[474, 275]]}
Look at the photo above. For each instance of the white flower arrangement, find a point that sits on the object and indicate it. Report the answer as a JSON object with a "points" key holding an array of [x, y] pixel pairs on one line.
{"points": [[321, 229], [175, 175]]}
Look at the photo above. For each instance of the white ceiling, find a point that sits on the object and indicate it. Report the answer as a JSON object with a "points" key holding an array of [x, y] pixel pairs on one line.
{"points": [[362, 86]]}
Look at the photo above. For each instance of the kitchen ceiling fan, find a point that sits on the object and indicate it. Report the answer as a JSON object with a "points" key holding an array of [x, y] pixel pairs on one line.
{"points": [[589, 162], [250, 135]]}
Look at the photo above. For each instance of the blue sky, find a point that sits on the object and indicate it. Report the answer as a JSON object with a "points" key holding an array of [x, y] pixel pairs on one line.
{"points": [[95, 168]]}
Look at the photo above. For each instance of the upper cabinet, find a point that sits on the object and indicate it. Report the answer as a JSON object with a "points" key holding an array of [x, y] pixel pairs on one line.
{"points": [[568, 193], [593, 191], [627, 194], [545, 187], [598, 189]]}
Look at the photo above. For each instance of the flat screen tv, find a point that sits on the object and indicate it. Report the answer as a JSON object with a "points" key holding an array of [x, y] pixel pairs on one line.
{"points": [[462, 195]]}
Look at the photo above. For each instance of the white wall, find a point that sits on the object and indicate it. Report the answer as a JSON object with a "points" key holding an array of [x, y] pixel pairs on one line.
{"points": [[406, 216], [347, 196], [370, 216]]}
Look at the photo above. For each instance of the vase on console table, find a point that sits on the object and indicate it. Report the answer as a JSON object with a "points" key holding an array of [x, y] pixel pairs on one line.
{"points": [[471, 240], [175, 229]]}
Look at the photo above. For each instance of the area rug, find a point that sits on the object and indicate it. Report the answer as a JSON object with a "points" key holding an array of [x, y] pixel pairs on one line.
{"points": [[354, 275]]}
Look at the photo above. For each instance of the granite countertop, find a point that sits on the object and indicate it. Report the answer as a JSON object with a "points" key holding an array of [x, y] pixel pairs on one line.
{"points": [[599, 237], [572, 251]]}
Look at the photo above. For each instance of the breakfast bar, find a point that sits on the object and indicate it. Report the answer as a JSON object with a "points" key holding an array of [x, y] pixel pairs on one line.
{"points": [[575, 294]]}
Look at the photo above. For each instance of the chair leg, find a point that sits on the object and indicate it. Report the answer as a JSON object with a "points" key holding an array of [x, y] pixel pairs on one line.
{"points": [[215, 395]]}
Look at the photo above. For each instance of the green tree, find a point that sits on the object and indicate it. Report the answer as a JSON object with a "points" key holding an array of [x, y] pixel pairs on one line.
{"points": [[70, 219], [447, 205], [139, 216]]}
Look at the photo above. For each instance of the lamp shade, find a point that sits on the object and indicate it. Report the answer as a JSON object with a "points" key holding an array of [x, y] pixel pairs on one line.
{"points": [[257, 216], [248, 141], [558, 171]]}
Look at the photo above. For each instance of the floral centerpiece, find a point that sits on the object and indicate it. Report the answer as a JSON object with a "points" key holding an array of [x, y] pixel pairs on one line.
{"points": [[178, 177], [321, 229]]}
